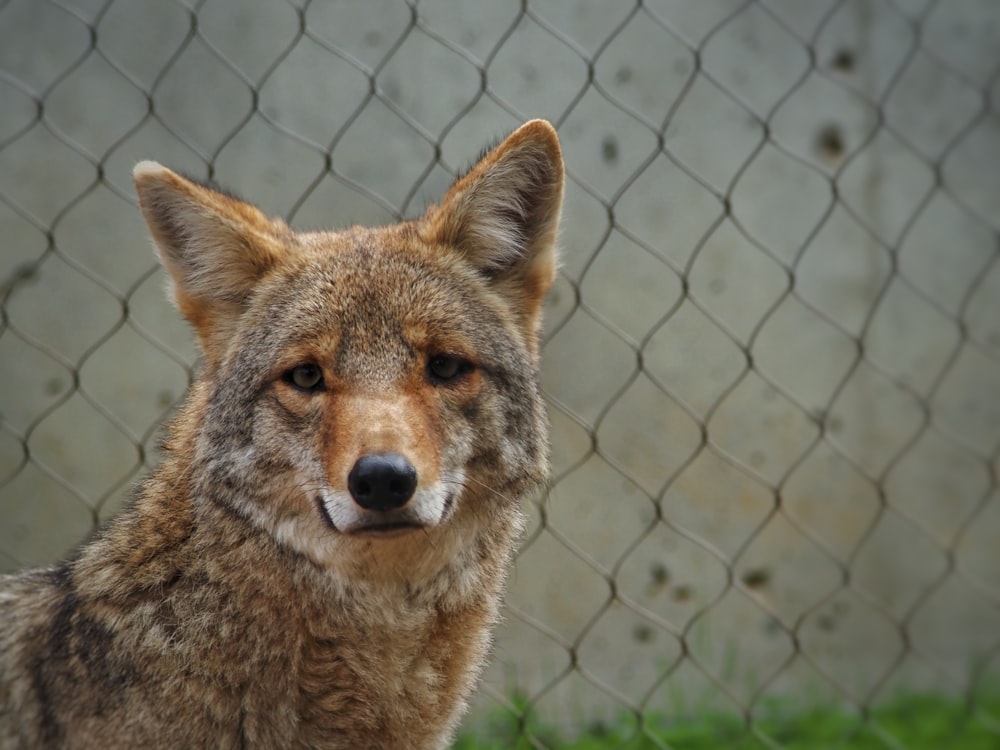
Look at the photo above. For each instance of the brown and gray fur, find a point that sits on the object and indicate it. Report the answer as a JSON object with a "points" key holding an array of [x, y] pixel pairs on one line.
{"points": [[244, 598]]}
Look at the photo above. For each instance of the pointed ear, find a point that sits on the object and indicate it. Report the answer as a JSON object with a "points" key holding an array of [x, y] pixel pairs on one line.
{"points": [[214, 247], [503, 217]]}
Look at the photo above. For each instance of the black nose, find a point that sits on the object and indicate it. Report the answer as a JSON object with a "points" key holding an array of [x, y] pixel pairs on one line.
{"points": [[382, 481]]}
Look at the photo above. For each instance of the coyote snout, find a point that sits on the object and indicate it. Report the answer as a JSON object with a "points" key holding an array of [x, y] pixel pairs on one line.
{"points": [[320, 557], [385, 466]]}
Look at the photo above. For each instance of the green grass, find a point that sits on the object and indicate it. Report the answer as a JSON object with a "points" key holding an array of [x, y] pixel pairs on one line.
{"points": [[911, 722]]}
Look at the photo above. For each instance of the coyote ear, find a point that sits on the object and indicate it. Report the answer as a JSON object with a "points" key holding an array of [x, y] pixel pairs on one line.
{"points": [[503, 217], [214, 247]]}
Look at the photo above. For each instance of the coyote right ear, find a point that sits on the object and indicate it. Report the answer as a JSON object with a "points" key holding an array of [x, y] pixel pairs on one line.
{"points": [[214, 247]]}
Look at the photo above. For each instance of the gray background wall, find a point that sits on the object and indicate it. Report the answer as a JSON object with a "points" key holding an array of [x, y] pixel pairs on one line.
{"points": [[772, 355]]}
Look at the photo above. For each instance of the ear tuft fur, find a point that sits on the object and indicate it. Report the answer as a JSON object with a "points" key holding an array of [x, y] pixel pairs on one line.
{"points": [[214, 247], [503, 217], [508, 203], [145, 169]]}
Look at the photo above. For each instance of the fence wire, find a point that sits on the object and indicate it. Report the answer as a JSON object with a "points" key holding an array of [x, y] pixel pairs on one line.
{"points": [[772, 355]]}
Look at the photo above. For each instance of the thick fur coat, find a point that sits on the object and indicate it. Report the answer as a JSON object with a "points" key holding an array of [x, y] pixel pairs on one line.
{"points": [[320, 557]]}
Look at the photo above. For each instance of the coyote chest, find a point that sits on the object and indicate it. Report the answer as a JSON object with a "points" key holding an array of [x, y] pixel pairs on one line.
{"points": [[320, 557]]}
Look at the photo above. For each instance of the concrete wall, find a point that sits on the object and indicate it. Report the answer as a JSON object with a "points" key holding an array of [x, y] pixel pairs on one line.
{"points": [[773, 353]]}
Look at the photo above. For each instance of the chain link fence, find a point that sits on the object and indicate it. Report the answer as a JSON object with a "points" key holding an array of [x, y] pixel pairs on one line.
{"points": [[772, 354]]}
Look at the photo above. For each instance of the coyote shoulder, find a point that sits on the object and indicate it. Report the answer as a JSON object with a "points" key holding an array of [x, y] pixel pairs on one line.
{"points": [[319, 559]]}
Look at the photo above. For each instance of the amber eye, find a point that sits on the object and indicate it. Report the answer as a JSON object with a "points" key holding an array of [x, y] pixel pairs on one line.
{"points": [[305, 377], [446, 368]]}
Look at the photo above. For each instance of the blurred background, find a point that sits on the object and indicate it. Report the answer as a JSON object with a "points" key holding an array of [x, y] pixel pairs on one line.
{"points": [[772, 355]]}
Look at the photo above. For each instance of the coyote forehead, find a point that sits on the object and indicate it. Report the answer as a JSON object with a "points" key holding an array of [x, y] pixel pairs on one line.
{"points": [[373, 298]]}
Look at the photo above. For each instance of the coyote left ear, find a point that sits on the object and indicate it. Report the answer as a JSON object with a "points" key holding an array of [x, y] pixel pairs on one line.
{"points": [[503, 217]]}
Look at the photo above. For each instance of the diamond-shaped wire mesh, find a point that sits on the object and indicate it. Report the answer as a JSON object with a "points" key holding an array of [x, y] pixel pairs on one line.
{"points": [[772, 355]]}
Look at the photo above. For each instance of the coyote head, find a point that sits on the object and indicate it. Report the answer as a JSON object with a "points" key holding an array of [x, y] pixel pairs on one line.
{"points": [[368, 397]]}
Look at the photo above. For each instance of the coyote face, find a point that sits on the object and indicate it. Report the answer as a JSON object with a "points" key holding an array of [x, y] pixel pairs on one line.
{"points": [[320, 556], [370, 396]]}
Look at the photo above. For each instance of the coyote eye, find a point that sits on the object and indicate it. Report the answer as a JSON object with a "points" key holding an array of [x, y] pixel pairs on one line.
{"points": [[446, 368], [307, 377]]}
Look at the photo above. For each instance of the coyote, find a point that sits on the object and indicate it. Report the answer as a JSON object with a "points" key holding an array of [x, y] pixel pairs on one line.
{"points": [[319, 559]]}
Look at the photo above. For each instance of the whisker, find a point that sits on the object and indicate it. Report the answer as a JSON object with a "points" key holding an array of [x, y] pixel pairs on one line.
{"points": [[488, 488]]}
